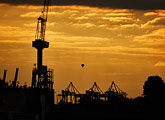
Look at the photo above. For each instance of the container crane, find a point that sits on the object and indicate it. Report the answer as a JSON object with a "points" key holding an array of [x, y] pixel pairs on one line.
{"points": [[114, 92], [41, 76], [70, 92]]}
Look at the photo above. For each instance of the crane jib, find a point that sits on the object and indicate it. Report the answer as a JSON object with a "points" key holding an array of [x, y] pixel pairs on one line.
{"points": [[41, 24]]}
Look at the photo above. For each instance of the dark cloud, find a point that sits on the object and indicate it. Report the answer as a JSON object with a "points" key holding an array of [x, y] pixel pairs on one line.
{"points": [[126, 4]]}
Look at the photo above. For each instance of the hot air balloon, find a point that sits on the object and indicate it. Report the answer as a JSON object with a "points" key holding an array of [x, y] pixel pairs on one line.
{"points": [[82, 65]]}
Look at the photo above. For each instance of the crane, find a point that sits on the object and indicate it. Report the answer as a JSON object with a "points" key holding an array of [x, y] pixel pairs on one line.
{"points": [[114, 92], [70, 92], [42, 20], [41, 75]]}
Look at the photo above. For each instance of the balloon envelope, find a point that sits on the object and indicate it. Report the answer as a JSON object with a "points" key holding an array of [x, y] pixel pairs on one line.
{"points": [[82, 65]]}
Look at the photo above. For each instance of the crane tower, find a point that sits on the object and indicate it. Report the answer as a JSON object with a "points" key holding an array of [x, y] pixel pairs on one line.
{"points": [[42, 77]]}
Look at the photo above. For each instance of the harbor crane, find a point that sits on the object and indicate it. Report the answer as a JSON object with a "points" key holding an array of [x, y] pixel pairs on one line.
{"points": [[41, 75], [70, 92]]}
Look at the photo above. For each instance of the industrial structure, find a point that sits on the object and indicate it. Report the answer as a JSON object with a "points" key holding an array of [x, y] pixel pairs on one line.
{"points": [[71, 94], [42, 77], [114, 91], [5, 84], [37, 101]]}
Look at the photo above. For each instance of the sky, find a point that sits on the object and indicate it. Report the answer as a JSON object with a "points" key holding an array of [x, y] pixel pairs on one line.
{"points": [[120, 42]]}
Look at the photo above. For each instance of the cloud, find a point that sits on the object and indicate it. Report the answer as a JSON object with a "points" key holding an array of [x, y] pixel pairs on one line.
{"points": [[154, 22], [160, 13], [119, 14], [115, 74], [36, 14], [126, 4], [160, 64], [10, 34], [82, 18], [117, 19], [150, 13], [156, 37], [129, 25], [87, 25], [31, 14], [160, 34]]}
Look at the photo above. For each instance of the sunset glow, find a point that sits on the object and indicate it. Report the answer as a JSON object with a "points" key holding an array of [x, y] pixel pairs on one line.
{"points": [[121, 45]]}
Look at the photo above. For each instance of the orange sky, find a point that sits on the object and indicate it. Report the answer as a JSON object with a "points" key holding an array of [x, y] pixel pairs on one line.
{"points": [[121, 45]]}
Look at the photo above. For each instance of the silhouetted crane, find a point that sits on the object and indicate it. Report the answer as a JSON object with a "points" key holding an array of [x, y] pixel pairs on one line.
{"points": [[41, 75], [95, 89], [70, 92], [42, 20], [94, 93], [114, 91]]}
